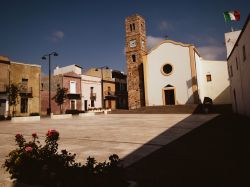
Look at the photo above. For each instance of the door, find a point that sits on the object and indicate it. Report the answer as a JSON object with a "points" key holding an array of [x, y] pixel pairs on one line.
{"points": [[109, 104], [85, 105], [169, 97]]}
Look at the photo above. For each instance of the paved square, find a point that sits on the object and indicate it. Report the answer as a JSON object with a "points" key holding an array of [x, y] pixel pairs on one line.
{"points": [[131, 136]]}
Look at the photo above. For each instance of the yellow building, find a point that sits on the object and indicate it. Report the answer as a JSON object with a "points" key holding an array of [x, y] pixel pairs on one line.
{"points": [[27, 78]]}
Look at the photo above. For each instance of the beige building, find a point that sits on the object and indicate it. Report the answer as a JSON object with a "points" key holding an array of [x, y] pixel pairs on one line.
{"points": [[108, 85], [239, 68], [27, 78]]}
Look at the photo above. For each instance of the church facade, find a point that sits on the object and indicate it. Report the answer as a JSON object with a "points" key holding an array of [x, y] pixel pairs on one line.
{"points": [[172, 73]]}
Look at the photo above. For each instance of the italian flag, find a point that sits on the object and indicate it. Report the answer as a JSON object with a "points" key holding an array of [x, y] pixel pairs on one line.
{"points": [[232, 16]]}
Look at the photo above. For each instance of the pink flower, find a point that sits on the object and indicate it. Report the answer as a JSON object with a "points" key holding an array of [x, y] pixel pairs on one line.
{"points": [[34, 135], [28, 149], [19, 135], [52, 133]]}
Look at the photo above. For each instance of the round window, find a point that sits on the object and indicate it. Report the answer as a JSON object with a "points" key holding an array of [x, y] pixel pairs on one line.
{"points": [[167, 69]]}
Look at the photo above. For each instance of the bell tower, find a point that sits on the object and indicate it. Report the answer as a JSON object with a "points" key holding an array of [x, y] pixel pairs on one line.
{"points": [[135, 50]]}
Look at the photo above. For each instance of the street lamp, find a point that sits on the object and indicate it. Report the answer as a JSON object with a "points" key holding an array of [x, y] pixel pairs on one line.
{"points": [[101, 68], [44, 58]]}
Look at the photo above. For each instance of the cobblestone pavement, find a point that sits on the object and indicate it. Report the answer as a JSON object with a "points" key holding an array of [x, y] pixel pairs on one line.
{"points": [[131, 136]]}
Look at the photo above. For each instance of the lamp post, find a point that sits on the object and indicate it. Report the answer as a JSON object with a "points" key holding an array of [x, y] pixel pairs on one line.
{"points": [[101, 68], [44, 58]]}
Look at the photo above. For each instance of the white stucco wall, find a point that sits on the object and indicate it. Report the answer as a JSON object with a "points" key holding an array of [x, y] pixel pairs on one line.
{"points": [[241, 76], [88, 82], [230, 39], [67, 69], [219, 88], [178, 56]]}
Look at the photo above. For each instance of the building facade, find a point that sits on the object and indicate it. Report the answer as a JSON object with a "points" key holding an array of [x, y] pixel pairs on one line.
{"points": [[72, 82], [91, 92], [107, 84], [27, 78], [173, 72], [239, 68]]}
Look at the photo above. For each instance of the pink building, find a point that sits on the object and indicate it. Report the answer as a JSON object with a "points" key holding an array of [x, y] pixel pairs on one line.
{"points": [[72, 82]]}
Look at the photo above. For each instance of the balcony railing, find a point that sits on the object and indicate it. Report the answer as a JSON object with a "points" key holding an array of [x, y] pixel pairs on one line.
{"points": [[92, 96], [110, 93], [24, 89]]}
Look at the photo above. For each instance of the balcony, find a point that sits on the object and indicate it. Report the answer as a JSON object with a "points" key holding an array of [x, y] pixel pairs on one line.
{"points": [[92, 96], [76, 96], [25, 91], [109, 95]]}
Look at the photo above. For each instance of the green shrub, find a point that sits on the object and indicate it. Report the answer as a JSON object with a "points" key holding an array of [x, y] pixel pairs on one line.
{"points": [[32, 163]]}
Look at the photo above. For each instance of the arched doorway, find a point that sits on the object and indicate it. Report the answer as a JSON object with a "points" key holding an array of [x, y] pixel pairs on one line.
{"points": [[168, 94]]}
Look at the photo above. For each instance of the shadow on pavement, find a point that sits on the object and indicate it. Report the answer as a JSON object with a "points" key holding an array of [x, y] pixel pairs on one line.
{"points": [[214, 154]]}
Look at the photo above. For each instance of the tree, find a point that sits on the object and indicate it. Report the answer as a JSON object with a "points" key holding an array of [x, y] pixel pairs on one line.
{"points": [[60, 97], [13, 91]]}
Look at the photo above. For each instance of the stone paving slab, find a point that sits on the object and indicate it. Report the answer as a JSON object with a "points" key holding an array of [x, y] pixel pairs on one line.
{"points": [[131, 136]]}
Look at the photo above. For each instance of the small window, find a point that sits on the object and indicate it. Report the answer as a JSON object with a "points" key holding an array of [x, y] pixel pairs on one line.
{"points": [[134, 58], [25, 81], [41, 86], [209, 77], [167, 69], [236, 63], [133, 26], [244, 53], [91, 89]]}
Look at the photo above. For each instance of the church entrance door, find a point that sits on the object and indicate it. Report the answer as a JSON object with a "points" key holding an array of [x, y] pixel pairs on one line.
{"points": [[169, 97]]}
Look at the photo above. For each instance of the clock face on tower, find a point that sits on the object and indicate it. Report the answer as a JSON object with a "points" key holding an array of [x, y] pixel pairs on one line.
{"points": [[132, 43]]}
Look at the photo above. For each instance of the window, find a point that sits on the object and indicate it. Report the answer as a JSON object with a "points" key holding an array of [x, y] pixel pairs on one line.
{"points": [[209, 78], [41, 86], [73, 104], [167, 69], [134, 58], [231, 71], [24, 105], [91, 89], [25, 81], [236, 63], [131, 27], [73, 87], [244, 52]]}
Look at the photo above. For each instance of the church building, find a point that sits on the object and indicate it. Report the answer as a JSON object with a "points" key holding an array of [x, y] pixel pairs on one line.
{"points": [[172, 73]]}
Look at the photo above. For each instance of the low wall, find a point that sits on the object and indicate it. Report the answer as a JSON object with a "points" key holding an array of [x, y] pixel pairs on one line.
{"points": [[25, 119], [87, 114], [61, 116]]}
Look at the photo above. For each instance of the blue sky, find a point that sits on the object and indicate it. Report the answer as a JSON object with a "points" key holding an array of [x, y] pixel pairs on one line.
{"points": [[91, 33]]}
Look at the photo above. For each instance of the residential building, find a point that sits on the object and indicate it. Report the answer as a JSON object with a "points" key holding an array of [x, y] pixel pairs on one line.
{"points": [[108, 85], [239, 68], [72, 82], [27, 78], [120, 89], [91, 92], [172, 73]]}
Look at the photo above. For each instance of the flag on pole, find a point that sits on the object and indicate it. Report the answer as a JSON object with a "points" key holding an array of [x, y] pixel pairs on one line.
{"points": [[232, 16]]}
